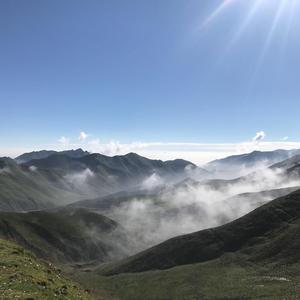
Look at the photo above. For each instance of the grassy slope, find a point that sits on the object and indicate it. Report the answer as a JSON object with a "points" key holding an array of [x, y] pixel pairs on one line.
{"points": [[23, 276], [224, 278]]}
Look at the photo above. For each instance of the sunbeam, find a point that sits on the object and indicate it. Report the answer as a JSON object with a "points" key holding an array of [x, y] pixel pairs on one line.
{"points": [[284, 16], [269, 38], [291, 16], [246, 23], [216, 13]]}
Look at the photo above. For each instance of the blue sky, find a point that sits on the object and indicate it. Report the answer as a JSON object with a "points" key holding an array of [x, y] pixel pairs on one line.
{"points": [[155, 72]]}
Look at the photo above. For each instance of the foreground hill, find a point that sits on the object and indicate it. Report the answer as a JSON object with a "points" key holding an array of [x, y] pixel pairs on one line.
{"points": [[220, 279], [270, 233], [65, 236], [23, 276]]}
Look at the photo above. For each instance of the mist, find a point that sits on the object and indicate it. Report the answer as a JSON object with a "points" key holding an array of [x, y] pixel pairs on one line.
{"points": [[193, 206]]}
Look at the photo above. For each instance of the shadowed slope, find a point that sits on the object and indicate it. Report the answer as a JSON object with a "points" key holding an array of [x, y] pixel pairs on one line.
{"points": [[22, 188], [73, 236]]}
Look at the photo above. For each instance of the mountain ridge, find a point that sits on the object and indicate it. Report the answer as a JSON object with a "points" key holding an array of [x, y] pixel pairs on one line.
{"points": [[26, 157]]}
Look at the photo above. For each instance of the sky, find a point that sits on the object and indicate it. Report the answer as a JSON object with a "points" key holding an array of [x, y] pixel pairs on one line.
{"points": [[175, 78]]}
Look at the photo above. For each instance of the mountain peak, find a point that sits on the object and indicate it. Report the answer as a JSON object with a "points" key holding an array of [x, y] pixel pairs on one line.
{"points": [[26, 157]]}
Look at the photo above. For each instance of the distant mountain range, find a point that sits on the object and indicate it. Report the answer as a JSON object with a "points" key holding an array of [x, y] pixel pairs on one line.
{"points": [[46, 179], [65, 177], [239, 165], [26, 157]]}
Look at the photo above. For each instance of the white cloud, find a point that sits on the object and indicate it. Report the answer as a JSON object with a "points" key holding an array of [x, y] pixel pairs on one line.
{"points": [[33, 168], [152, 181], [64, 141], [260, 135], [198, 153], [115, 147], [285, 138], [80, 178], [149, 221], [82, 136], [5, 170], [94, 142]]}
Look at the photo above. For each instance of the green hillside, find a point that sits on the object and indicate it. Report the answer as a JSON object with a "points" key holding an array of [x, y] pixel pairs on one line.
{"points": [[226, 278], [23, 276]]}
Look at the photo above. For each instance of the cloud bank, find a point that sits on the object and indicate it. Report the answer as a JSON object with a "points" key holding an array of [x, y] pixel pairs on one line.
{"points": [[198, 153], [190, 207]]}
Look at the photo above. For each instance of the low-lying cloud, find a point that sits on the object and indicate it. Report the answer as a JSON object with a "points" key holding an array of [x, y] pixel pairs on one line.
{"points": [[33, 168], [81, 178], [152, 182], [191, 207]]}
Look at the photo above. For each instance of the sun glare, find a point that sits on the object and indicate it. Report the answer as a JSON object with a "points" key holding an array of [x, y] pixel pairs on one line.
{"points": [[281, 12]]}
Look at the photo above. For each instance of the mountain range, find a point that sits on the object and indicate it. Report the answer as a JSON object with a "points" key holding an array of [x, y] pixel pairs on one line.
{"points": [[65, 177], [128, 227], [242, 164], [26, 157]]}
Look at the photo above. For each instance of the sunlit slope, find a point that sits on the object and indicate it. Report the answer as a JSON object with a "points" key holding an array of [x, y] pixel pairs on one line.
{"points": [[23, 276]]}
